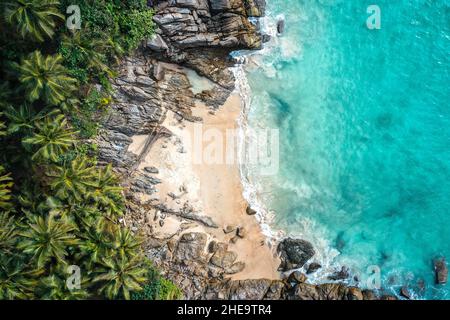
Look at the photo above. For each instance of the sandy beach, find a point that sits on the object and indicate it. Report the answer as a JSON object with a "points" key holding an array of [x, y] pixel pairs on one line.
{"points": [[210, 183]]}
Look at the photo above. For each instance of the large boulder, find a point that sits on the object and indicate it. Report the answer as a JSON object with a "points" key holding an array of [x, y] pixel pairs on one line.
{"points": [[327, 291], [254, 289], [313, 267], [191, 247], [294, 253], [441, 270], [223, 259]]}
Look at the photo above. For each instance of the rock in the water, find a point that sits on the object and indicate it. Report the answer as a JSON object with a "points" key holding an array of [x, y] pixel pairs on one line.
{"points": [[266, 38], [441, 270], [297, 277], [313, 267], [294, 253], [280, 27], [340, 275], [250, 211], [404, 291]]}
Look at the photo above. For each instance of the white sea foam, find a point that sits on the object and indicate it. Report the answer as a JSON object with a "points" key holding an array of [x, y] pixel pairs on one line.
{"points": [[308, 229]]}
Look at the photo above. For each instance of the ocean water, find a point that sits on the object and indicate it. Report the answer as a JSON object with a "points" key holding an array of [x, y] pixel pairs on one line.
{"points": [[364, 123]]}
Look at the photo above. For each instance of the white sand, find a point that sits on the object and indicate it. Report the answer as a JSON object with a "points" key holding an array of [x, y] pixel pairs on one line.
{"points": [[213, 189]]}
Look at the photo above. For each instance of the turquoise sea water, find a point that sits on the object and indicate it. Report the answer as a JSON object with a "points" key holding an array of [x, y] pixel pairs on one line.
{"points": [[364, 120]]}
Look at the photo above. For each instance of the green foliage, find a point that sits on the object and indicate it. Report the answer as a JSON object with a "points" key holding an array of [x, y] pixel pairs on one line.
{"points": [[47, 238], [54, 287], [5, 189], [125, 23], [52, 137], [168, 291], [157, 288], [57, 206], [35, 19], [72, 180], [15, 280], [119, 276], [137, 25], [8, 232], [84, 119], [45, 78]]}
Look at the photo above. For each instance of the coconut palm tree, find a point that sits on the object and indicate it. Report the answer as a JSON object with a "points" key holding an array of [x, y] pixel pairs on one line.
{"points": [[33, 18], [6, 183], [47, 239], [95, 244], [107, 194], [74, 179], [118, 276], [125, 243], [53, 137], [45, 78]]}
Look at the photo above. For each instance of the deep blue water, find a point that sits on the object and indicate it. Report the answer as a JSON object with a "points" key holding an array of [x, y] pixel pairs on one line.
{"points": [[364, 122]]}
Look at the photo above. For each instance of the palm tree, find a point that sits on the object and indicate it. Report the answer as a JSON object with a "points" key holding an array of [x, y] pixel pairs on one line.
{"points": [[118, 276], [74, 179], [125, 243], [45, 77], [5, 190], [15, 281], [53, 137], [107, 194], [35, 18], [46, 239], [95, 244]]}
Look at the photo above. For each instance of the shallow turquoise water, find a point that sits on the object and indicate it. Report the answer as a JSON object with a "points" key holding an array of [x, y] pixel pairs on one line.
{"points": [[364, 121]]}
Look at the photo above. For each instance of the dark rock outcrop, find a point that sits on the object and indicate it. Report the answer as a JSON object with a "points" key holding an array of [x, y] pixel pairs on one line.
{"points": [[441, 270], [328, 291], [294, 253], [313, 267]]}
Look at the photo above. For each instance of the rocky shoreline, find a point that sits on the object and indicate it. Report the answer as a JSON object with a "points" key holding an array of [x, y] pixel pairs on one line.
{"points": [[152, 85]]}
